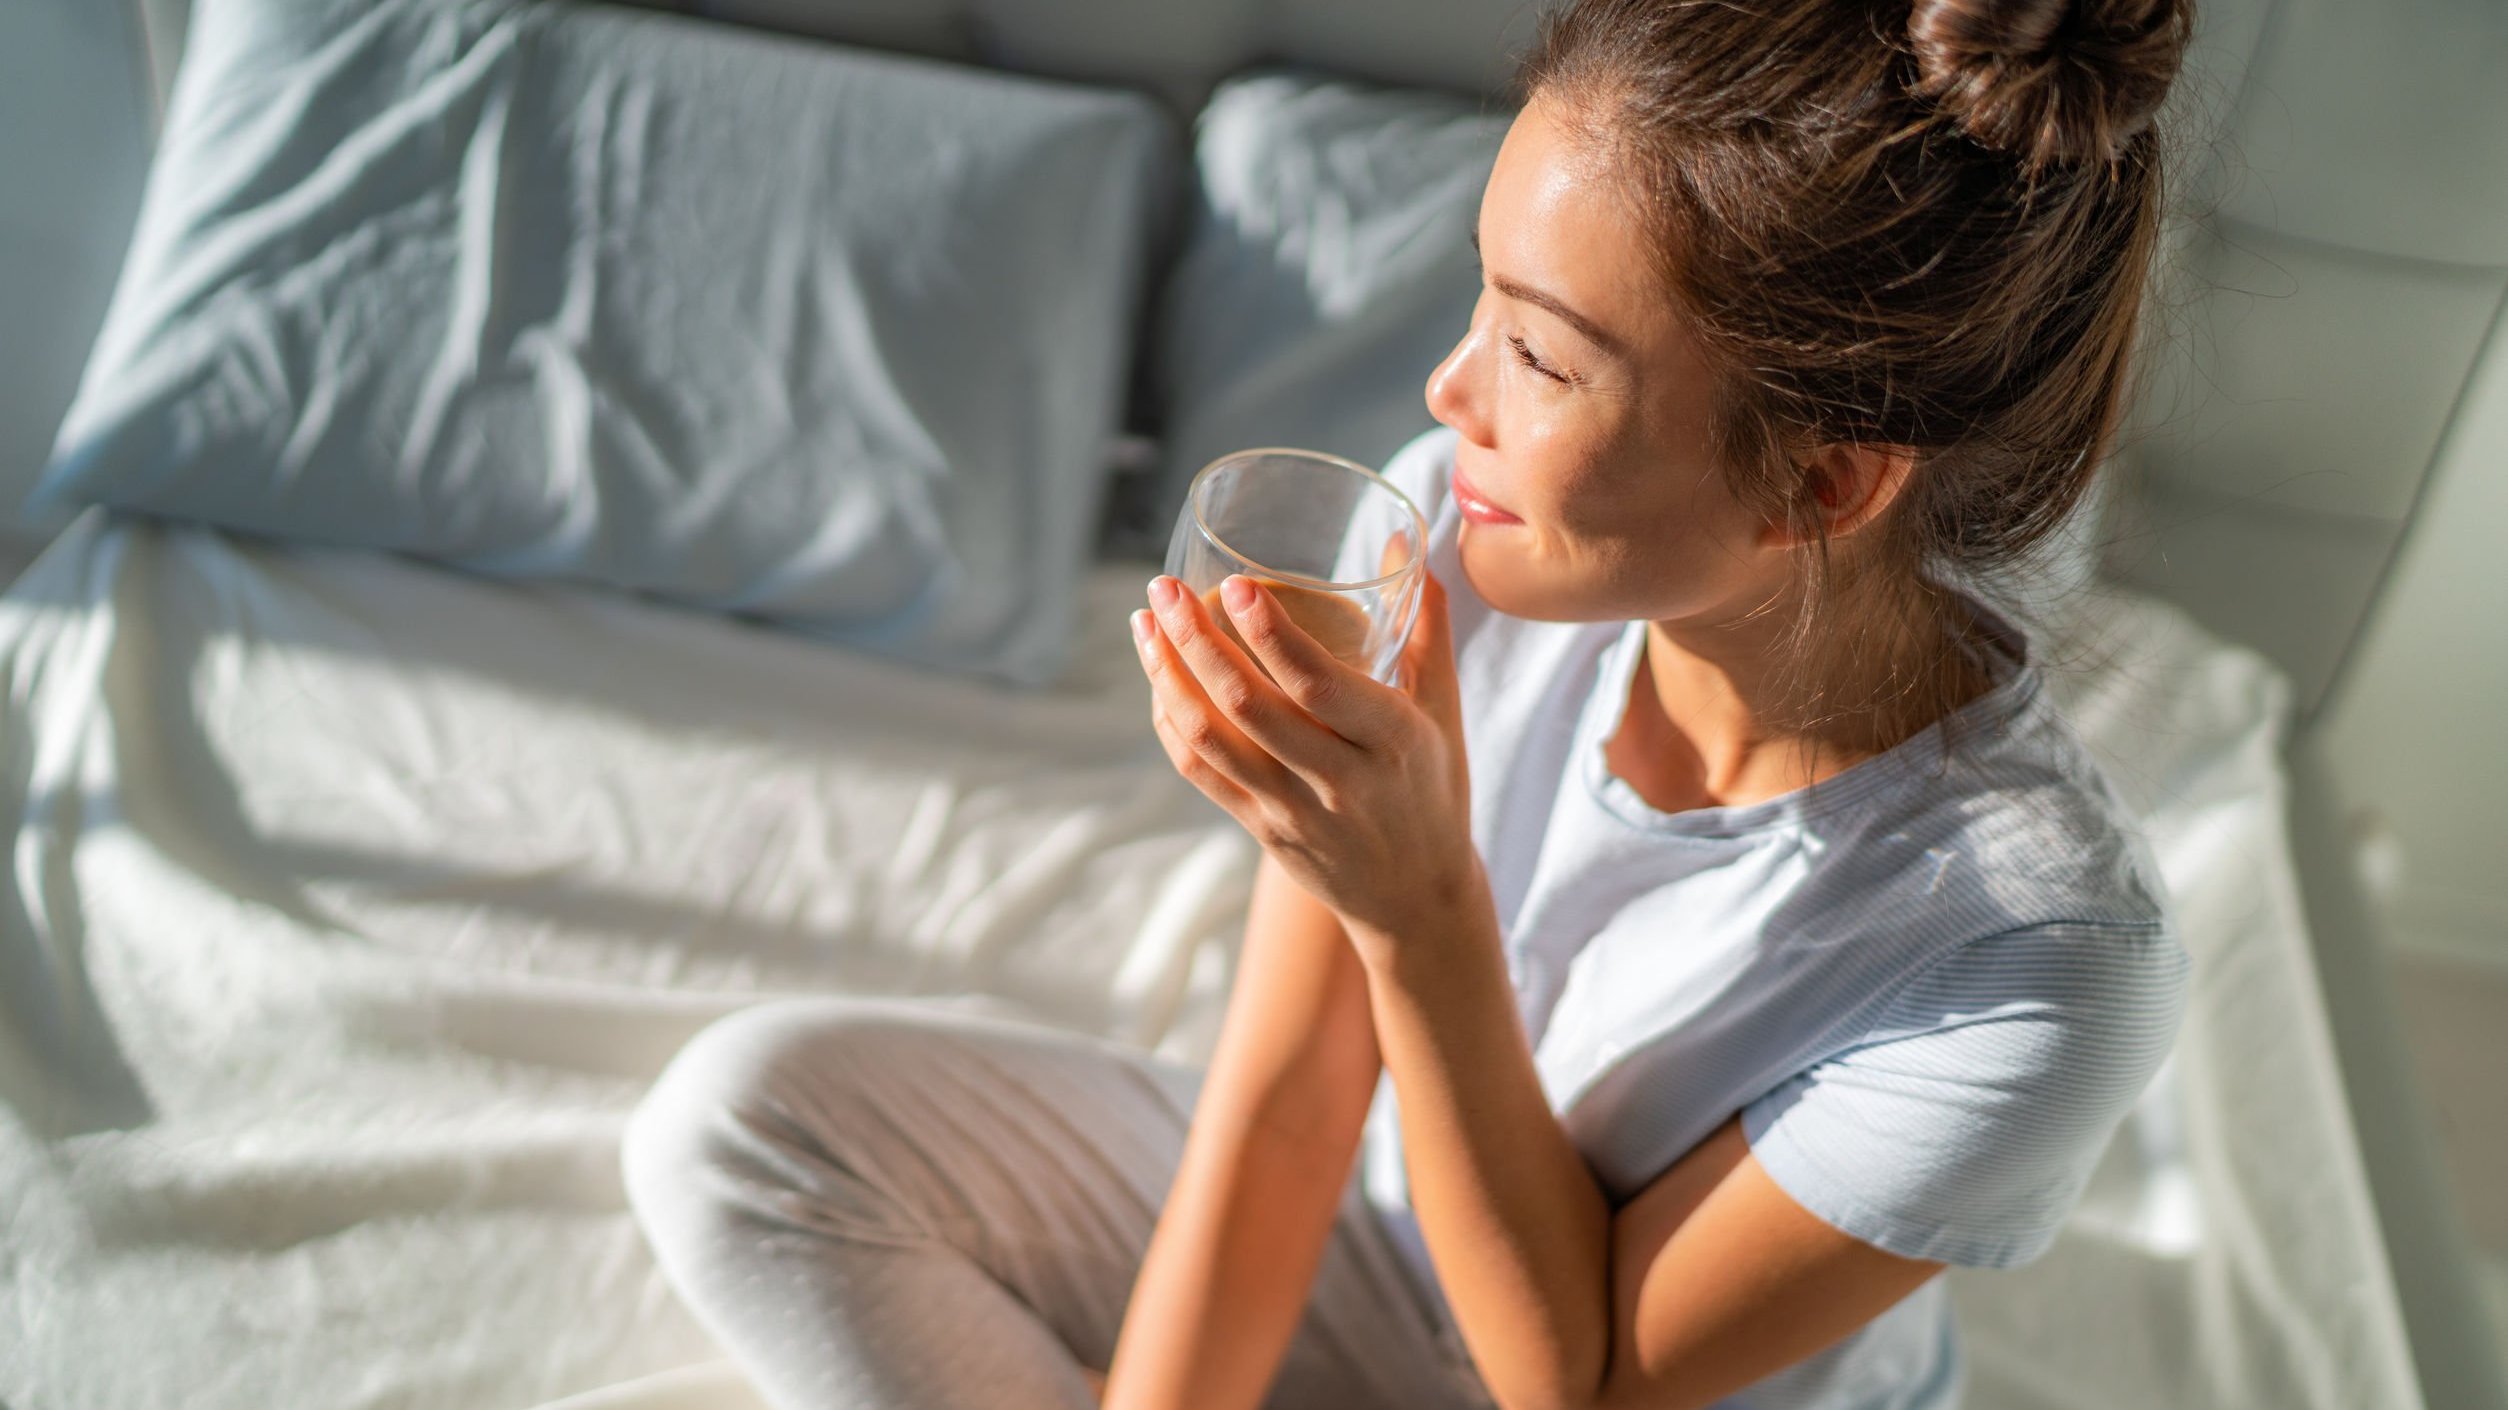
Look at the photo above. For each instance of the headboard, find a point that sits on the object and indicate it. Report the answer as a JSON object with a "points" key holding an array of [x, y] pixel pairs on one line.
{"points": [[2335, 267]]}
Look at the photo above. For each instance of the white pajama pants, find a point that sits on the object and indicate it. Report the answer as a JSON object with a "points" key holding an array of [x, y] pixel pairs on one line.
{"points": [[891, 1203]]}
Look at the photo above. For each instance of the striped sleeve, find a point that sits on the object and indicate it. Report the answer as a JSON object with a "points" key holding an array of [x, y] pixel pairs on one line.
{"points": [[1964, 1124]]}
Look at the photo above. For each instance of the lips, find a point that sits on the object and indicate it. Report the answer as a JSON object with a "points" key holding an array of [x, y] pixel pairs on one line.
{"points": [[1476, 506]]}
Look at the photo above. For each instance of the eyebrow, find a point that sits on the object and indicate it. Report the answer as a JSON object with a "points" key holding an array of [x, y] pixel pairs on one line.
{"points": [[1525, 292]]}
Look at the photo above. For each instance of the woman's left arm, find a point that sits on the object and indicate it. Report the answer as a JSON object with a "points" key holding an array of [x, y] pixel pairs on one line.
{"points": [[1709, 1279], [1712, 1277]]}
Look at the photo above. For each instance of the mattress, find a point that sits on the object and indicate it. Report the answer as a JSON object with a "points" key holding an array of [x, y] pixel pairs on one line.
{"points": [[353, 902]]}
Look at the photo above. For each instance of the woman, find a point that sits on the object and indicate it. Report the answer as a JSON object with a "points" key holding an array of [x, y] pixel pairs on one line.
{"points": [[1713, 939]]}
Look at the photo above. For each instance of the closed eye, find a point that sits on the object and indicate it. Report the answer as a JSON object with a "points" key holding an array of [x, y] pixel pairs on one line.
{"points": [[1524, 354]]}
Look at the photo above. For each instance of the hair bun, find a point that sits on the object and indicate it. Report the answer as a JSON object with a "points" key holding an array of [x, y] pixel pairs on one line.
{"points": [[2051, 81]]}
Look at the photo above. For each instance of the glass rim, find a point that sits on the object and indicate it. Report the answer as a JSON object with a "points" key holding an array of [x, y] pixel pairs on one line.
{"points": [[1419, 521]]}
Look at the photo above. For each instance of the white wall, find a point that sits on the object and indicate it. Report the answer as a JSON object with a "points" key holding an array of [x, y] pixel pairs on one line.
{"points": [[2418, 728], [74, 125]]}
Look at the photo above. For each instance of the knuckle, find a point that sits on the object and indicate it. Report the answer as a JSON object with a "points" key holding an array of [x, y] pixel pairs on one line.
{"points": [[1409, 750], [1237, 696], [1201, 733], [1275, 825], [1317, 691]]}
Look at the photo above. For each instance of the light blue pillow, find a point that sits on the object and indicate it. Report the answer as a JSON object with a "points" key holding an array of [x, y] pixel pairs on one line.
{"points": [[758, 324], [1327, 269]]}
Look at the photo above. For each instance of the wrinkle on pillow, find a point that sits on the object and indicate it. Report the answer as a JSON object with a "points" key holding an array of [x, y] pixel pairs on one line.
{"points": [[754, 324]]}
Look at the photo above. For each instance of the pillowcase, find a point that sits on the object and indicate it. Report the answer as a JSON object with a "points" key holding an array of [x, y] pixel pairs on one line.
{"points": [[757, 324], [1326, 270]]}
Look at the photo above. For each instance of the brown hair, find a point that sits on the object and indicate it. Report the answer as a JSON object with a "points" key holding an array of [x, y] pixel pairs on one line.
{"points": [[1926, 227]]}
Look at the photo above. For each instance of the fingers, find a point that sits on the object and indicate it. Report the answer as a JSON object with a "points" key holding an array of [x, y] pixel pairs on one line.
{"points": [[1429, 661], [1331, 690], [1203, 743], [1268, 709], [1428, 657], [1397, 552]]}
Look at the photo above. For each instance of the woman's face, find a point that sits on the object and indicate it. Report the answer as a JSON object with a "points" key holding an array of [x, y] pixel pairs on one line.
{"points": [[1582, 407]]}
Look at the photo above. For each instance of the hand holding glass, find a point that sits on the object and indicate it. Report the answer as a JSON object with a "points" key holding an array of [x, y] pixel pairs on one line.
{"points": [[1334, 543]]}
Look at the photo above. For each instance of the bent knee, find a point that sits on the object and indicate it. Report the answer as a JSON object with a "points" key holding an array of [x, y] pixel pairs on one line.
{"points": [[768, 1062]]}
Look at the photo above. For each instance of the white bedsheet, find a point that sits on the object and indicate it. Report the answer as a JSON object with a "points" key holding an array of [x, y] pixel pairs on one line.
{"points": [[353, 903]]}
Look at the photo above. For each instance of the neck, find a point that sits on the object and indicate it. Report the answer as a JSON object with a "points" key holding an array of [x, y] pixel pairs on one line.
{"points": [[1741, 708]]}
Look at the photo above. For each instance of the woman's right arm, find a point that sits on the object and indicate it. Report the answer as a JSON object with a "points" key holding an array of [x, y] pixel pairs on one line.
{"points": [[1229, 1267]]}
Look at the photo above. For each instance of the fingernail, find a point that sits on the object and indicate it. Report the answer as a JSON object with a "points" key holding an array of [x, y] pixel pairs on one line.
{"points": [[1141, 625], [1237, 592], [1162, 590]]}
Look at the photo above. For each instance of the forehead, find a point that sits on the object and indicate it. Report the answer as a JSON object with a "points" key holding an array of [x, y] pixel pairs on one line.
{"points": [[1556, 215]]}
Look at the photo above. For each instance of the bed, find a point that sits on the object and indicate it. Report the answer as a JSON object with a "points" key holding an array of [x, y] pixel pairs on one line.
{"points": [[355, 898]]}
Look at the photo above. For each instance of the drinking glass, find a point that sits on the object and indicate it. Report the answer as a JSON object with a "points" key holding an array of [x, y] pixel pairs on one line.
{"points": [[1336, 545]]}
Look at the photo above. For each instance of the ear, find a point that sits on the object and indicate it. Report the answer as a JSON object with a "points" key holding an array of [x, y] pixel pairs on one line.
{"points": [[1845, 487]]}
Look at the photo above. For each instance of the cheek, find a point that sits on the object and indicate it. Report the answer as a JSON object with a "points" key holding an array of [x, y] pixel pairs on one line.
{"points": [[1625, 516], [1657, 525], [1556, 445], [1578, 555], [1595, 482]]}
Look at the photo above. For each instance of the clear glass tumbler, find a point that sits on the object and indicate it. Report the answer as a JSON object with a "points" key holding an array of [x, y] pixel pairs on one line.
{"points": [[1334, 543]]}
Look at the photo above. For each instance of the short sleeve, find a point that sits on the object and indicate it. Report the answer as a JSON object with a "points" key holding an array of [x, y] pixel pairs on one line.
{"points": [[1964, 1124]]}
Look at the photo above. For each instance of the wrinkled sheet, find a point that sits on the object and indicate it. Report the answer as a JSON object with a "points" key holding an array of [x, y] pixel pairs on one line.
{"points": [[353, 903]]}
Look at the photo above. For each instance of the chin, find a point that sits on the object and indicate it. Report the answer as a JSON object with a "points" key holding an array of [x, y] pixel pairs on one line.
{"points": [[1502, 573]]}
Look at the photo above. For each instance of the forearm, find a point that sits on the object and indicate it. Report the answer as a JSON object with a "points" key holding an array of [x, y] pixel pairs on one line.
{"points": [[1231, 1264], [1513, 1219]]}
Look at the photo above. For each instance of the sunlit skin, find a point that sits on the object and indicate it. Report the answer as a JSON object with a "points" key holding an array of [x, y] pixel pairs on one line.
{"points": [[1581, 404], [1711, 1277]]}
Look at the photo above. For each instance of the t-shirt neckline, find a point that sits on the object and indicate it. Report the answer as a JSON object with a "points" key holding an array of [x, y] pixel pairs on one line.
{"points": [[1908, 761]]}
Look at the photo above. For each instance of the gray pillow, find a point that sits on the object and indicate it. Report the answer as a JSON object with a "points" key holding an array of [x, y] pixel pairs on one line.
{"points": [[1327, 269], [752, 323]]}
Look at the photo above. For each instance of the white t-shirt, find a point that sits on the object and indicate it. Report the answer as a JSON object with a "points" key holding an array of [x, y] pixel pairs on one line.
{"points": [[1932, 984]]}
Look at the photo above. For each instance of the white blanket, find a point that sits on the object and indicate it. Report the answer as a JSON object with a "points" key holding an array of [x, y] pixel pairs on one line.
{"points": [[354, 902]]}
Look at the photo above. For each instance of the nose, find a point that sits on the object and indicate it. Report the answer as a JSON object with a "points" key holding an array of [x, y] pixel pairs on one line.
{"points": [[1457, 389]]}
